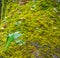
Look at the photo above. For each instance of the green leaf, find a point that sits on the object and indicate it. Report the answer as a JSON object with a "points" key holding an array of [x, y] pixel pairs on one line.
{"points": [[20, 42], [11, 37], [16, 35]]}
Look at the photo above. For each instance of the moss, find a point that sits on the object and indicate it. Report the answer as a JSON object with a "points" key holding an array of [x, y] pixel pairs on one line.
{"points": [[39, 22]]}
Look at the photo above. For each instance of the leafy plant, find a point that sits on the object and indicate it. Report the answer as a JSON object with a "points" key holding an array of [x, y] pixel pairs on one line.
{"points": [[11, 37]]}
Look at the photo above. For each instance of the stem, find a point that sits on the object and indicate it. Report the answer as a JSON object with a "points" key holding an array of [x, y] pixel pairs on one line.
{"points": [[3, 8]]}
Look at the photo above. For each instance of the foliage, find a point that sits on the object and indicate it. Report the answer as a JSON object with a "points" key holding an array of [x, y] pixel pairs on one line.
{"points": [[12, 37], [39, 21]]}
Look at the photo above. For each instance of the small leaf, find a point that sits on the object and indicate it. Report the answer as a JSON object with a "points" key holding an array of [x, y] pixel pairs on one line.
{"points": [[16, 35], [11, 37], [20, 42]]}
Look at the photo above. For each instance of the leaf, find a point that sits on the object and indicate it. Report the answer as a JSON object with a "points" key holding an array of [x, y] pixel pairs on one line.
{"points": [[11, 37], [20, 42], [16, 35]]}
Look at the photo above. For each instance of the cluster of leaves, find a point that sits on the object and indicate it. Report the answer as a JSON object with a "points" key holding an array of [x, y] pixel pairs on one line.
{"points": [[39, 21]]}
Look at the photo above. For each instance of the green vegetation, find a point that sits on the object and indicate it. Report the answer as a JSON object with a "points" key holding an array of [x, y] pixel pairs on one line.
{"points": [[39, 22], [12, 37]]}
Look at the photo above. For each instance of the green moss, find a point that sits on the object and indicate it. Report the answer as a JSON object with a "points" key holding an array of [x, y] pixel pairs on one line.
{"points": [[39, 22]]}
